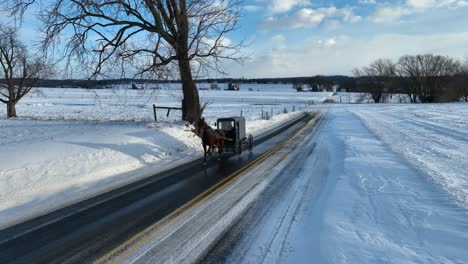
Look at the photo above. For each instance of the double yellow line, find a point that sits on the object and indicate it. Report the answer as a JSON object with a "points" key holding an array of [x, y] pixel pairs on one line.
{"points": [[118, 253]]}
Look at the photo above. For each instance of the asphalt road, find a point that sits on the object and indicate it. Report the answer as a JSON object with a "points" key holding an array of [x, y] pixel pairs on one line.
{"points": [[261, 232], [260, 236], [90, 229]]}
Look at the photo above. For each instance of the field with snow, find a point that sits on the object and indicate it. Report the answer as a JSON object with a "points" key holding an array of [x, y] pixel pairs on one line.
{"points": [[123, 104], [433, 138], [71, 144]]}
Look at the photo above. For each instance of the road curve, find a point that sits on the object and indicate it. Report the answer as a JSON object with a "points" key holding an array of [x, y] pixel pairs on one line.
{"points": [[85, 231]]}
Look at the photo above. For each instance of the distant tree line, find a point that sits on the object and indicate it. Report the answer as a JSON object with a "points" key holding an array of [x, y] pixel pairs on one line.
{"points": [[102, 83], [425, 78]]}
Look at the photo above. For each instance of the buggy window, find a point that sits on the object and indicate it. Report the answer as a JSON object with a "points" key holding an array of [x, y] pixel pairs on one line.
{"points": [[227, 125]]}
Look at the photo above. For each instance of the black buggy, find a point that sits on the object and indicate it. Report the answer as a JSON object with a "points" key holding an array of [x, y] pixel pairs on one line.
{"points": [[234, 131]]}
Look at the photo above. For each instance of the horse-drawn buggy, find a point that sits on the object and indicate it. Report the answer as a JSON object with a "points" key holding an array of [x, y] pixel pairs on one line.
{"points": [[236, 139], [229, 136]]}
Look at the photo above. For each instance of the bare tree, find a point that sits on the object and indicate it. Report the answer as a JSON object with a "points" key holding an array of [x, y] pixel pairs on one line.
{"points": [[376, 78], [19, 71], [319, 82], [463, 88], [465, 64], [457, 88], [425, 75], [143, 37]]}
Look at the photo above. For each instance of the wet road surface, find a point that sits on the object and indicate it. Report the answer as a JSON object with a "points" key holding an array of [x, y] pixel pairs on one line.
{"points": [[84, 236]]}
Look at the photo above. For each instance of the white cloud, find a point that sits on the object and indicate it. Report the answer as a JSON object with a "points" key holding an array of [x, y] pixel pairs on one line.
{"points": [[307, 17], [421, 3], [347, 14], [332, 24], [367, 2], [339, 55], [303, 18], [281, 6], [326, 43], [252, 8], [278, 38], [208, 43], [424, 4], [388, 13]]}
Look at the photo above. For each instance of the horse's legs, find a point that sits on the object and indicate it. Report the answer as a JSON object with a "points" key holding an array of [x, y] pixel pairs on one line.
{"points": [[204, 157], [214, 148], [210, 149], [220, 149]]}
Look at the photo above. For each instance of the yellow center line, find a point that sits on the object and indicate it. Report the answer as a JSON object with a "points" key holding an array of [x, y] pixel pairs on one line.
{"points": [[129, 245]]}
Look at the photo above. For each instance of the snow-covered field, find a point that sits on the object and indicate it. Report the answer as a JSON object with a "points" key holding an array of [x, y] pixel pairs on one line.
{"points": [[136, 105], [71, 144], [379, 208], [433, 138]]}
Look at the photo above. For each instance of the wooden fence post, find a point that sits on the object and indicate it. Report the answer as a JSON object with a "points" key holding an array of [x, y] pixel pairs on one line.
{"points": [[154, 112]]}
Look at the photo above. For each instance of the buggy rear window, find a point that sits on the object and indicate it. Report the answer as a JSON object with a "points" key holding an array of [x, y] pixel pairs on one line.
{"points": [[226, 125]]}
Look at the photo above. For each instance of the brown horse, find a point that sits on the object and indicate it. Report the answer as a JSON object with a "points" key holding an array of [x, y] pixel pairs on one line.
{"points": [[213, 138]]}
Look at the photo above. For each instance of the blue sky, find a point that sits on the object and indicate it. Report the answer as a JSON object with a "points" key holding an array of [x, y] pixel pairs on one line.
{"points": [[302, 37], [309, 37]]}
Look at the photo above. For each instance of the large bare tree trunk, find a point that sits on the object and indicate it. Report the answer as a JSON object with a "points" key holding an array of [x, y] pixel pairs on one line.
{"points": [[191, 102], [11, 109]]}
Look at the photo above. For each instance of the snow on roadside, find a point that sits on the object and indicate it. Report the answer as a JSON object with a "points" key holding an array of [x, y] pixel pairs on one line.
{"points": [[48, 164], [434, 138], [347, 198]]}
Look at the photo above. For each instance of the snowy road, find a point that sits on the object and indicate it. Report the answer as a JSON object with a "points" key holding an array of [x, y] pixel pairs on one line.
{"points": [[348, 198]]}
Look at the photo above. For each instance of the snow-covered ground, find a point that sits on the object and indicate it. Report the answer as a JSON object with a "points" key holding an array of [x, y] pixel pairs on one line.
{"points": [[71, 144], [433, 138], [136, 105], [348, 198], [390, 182]]}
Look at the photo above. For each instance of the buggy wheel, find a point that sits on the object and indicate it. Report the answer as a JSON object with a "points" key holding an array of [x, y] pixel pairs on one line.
{"points": [[250, 143]]}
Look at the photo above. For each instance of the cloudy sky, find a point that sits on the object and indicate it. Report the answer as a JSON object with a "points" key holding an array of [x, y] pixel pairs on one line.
{"points": [[308, 37]]}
